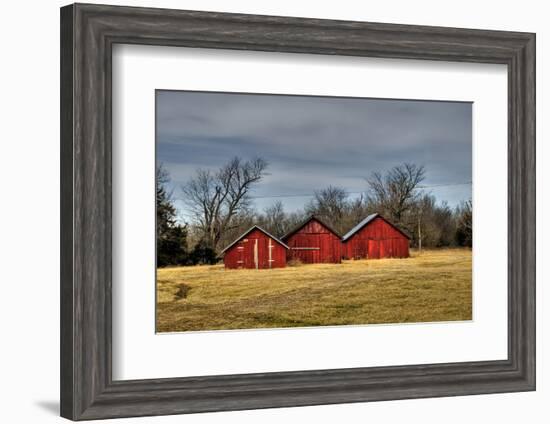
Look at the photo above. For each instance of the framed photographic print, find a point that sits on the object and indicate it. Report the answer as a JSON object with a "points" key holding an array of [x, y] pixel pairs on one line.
{"points": [[305, 207], [269, 211]]}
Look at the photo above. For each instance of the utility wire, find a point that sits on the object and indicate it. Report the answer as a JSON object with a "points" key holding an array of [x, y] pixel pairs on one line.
{"points": [[352, 192], [348, 192]]}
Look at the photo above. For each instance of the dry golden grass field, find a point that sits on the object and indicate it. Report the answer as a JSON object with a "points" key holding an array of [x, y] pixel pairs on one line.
{"points": [[435, 285]]}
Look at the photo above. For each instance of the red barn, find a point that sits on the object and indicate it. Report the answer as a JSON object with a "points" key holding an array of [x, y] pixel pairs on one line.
{"points": [[374, 238], [256, 248], [313, 242]]}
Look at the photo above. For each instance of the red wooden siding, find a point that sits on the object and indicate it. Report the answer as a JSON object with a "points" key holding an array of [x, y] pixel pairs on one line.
{"points": [[313, 243], [252, 251], [377, 239]]}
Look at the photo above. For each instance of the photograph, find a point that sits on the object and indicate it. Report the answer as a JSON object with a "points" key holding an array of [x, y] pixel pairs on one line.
{"points": [[277, 211]]}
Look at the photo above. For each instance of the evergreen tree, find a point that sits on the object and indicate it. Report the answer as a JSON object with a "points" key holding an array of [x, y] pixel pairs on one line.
{"points": [[202, 254], [171, 236]]}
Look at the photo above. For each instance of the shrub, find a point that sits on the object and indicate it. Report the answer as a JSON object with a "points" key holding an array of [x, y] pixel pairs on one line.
{"points": [[181, 293], [295, 262], [203, 255]]}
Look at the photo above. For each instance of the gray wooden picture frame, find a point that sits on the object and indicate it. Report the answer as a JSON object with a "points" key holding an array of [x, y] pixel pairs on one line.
{"points": [[88, 33]]}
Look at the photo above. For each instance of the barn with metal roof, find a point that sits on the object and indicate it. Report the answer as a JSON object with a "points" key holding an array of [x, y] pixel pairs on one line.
{"points": [[373, 238]]}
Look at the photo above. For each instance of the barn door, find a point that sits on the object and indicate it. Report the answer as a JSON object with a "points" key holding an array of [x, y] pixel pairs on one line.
{"points": [[256, 253], [361, 248], [374, 249], [240, 255], [270, 247], [384, 248], [316, 252]]}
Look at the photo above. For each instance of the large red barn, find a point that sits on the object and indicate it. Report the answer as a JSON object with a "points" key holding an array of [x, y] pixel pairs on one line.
{"points": [[374, 238], [255, 248], [313, 242]]}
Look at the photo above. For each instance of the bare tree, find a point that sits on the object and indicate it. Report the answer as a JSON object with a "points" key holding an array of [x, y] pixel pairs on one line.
{"points": [[338, 209], [294, 219], [396, 191], [329, 203], [274, 219], [216, 199], [464, 224], [433, 223], [357, 210]]}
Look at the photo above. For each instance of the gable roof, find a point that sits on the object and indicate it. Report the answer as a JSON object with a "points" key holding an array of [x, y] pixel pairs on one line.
{"points": [[305, 222], [366, 221], [254, 227], [359, 226]]}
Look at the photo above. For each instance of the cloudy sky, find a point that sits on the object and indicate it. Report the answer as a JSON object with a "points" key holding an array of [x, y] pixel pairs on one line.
{"points": [[312, 142]]}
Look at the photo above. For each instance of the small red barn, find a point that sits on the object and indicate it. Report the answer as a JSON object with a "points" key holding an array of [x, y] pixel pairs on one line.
{"points": [[374, 238], [313, 242], [256, 248]]}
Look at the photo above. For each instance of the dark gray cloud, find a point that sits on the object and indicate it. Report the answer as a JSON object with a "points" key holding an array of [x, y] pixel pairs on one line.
{"points": [[311, 142]]}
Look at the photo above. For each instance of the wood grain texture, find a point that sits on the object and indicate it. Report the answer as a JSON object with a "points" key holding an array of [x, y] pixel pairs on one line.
{"points": [[377, 239], [314, 242], [88, 33], [252, 250], [66, 214]]}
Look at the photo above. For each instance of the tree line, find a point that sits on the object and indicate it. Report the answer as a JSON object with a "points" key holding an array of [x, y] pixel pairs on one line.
{"points": [[221, 208]]}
